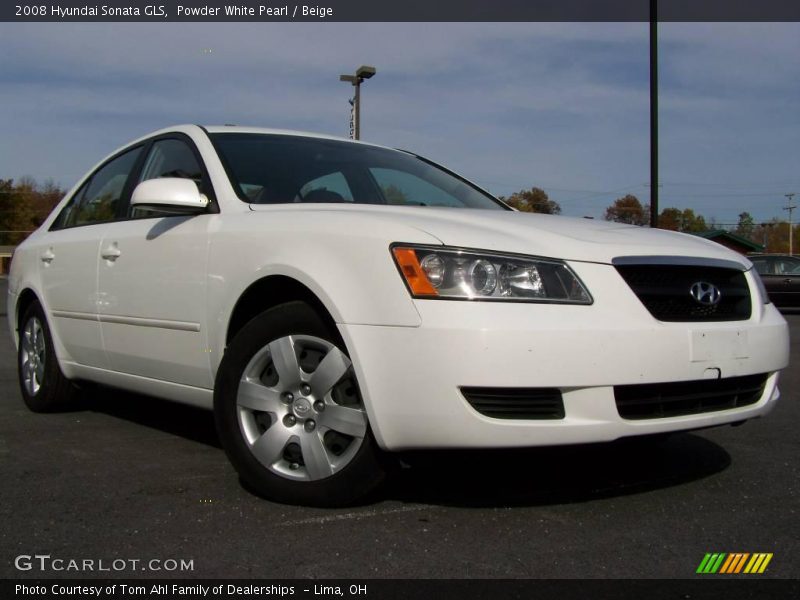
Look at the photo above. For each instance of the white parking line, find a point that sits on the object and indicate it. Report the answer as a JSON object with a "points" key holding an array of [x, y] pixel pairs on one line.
{"points": [[364, 514]]}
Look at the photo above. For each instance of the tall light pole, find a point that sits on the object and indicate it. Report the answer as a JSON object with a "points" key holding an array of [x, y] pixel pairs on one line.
{"points": [[362, 73], [790, 207], [653, 113]]}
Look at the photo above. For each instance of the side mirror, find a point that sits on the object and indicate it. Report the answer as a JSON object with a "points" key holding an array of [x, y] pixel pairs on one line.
{"points": [[170, 195]]}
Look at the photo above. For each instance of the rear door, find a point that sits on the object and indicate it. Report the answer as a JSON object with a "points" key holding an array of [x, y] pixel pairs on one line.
{"points": [[152, 279], [68, 259]]}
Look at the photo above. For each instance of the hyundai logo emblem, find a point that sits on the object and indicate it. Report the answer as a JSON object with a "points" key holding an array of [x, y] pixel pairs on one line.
{"points": [[705, 293], [301, 406]]}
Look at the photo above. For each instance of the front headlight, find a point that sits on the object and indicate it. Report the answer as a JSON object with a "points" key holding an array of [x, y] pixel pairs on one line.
{"points": [[453, 273]]}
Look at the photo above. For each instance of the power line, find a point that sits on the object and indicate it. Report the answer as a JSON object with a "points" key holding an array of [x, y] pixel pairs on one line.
{"points": [[732, 185]]}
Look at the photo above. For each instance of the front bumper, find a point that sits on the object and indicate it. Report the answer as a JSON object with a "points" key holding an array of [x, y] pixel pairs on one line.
{"points": [[410, 377]]}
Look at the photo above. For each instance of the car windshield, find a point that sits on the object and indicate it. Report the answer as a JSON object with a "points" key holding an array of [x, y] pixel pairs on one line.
{"points": [[280, 169]]}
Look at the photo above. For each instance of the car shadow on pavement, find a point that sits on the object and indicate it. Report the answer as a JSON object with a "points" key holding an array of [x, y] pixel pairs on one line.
{"points": [[478, 478], [189, 422], [555, 475]]}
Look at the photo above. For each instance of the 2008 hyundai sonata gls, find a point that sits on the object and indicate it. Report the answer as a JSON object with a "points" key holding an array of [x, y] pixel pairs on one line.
{"points": [[334, 301]]}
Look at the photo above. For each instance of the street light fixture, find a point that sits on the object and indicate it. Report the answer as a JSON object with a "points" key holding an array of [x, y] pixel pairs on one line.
{"points": [[363, 73]]}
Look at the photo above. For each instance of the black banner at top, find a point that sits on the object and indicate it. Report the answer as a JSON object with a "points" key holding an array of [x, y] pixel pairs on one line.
{"points": [[396, 11]]}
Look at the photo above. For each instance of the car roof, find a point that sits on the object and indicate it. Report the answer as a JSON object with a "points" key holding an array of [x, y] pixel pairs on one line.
{"points": [[289, 132]]}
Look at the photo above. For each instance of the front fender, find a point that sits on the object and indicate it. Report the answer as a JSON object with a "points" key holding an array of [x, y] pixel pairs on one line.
{"points": [[348, 266]]}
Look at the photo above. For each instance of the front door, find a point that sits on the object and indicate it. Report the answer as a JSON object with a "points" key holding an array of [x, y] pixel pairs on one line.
{"points": [[152, 282]]}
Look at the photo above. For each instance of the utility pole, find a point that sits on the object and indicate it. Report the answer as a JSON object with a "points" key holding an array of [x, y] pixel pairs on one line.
{"points": [[362, 73], [653, 113], [790, 207]]}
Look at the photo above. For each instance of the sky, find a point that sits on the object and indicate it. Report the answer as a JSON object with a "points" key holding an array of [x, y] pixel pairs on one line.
{"points": [[562, 106]]}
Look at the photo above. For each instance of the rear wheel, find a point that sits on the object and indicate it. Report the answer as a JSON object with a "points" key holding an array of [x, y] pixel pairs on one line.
{"points": [[290, 414], [44, 387]]}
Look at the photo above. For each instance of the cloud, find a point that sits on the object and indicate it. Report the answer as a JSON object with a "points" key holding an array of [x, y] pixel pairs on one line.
{"points": [[563, 106]]}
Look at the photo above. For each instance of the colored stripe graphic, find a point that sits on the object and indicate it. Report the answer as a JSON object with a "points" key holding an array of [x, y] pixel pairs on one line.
{"points": [[765, 563], [741, 562], [734, 562], [727, 564], [711, 562], [759, 562], [753, 564], [703, 563], [717, 564]]}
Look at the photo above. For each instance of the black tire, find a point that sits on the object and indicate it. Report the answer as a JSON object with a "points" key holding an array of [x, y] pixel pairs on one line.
{"points": [[54, 392], [354, 482]]}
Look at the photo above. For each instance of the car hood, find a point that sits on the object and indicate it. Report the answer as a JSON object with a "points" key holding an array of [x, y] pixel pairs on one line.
{"points": [[553, 236]]}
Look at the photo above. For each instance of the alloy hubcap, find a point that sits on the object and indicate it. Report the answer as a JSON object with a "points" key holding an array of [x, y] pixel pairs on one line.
{"points": [[32, 356], [299, 409]]}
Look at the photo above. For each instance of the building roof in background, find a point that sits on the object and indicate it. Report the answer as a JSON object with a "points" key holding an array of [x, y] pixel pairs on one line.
{"points": [[720, 235]]}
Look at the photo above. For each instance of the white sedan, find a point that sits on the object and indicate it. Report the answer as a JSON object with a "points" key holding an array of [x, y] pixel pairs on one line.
{"points": [[335, 301]]}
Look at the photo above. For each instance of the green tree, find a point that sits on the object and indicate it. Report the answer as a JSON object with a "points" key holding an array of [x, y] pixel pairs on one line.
{"points": [[685, 220], [533, 200], [629, 210], [746, 225], [692, 223]]}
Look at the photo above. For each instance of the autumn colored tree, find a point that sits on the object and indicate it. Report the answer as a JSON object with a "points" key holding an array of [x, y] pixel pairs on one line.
{"points": [[671, 219], [629, 210], [774, 236], [533, 200], [24, 206]]}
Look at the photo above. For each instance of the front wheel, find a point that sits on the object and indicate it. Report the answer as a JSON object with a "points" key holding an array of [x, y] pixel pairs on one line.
{"points": [[290, 415]]}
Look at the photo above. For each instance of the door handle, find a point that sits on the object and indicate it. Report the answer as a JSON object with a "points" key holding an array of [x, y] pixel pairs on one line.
{"points": [[787, 280], [47, 256], [111, 253]]}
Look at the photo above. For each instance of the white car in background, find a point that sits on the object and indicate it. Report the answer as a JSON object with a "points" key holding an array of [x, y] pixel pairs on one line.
{"points": [[335, 301]]}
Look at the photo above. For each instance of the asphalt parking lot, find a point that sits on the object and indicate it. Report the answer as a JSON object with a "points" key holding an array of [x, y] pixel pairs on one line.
{"points": [[137, 478]]}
